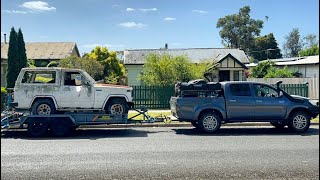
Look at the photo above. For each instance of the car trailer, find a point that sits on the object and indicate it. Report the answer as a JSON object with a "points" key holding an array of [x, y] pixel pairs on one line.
{"points": [[62, 124]]}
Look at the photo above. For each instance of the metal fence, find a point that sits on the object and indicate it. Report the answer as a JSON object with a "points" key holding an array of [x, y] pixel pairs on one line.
{"points": [[153, 97], [157, 97]]}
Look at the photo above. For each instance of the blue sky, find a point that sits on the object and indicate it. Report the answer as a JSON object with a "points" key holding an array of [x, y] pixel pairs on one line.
{"points": [[128, 24]]}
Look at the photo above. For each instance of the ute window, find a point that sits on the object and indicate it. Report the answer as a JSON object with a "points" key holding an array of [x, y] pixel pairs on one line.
{"points": [[36, 77], [240, 90], [264, 91]]}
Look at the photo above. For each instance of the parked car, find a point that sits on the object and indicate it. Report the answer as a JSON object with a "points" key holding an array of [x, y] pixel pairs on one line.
{"points": [[46, 91], [242, 101]]}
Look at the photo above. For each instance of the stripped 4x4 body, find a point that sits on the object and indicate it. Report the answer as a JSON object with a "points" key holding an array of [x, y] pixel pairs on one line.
{"points": [[51, 90]]}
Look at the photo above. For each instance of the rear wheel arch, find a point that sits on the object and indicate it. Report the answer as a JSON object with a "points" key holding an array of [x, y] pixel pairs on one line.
{"points": [[43, 106], [45, 97], [211, 111]]}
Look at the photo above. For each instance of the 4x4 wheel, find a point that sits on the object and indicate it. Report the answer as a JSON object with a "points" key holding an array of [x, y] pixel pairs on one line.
{"points": [[299, 121], [209, 122], [117, 106], [43, 107]]}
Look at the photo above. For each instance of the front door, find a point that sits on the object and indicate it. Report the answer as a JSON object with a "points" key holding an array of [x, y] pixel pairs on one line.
{"points": [[74, 96], [224, 75], [240, 103], [268, 105]]}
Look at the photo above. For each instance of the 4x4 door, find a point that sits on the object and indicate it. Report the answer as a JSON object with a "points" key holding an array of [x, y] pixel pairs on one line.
{"points": [[72, 95], [268, 105], [240, 102]]}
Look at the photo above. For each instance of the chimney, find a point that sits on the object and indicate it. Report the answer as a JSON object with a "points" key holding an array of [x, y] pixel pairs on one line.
{"points": [[166, 46], [5, 38]]}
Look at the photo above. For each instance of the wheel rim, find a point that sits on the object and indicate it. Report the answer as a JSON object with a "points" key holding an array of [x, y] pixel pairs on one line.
{"points": [[210, 123], [44, 109], [299, 122], [116, 109]]}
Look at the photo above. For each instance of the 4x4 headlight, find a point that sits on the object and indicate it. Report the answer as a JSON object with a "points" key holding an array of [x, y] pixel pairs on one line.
{"points": [[314, 102]]}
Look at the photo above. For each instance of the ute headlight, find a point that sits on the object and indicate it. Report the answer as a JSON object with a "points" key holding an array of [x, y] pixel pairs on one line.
{"points": [[314, 102]]}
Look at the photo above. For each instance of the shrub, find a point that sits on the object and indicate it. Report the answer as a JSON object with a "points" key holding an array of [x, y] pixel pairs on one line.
{"points": [[3, 98]]}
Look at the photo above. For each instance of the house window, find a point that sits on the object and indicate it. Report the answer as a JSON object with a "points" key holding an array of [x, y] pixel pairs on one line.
{"points": [[238, 76]]}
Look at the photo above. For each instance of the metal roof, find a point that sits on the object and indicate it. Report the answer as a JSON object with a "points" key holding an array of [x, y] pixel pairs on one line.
{"points": [[294, 61], [44, 50], [138, 56]]}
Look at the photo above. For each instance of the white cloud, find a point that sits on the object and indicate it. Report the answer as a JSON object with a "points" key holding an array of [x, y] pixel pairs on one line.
{"points": [[132, 25], [13, 12], [169, 19], [115, 6], [150, 9], [200, 11], [130, 9], [38, 6]]}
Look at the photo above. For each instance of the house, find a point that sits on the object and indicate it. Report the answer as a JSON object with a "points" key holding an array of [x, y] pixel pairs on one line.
{"points": [[40, 52], [231, 61], [308, 66]]}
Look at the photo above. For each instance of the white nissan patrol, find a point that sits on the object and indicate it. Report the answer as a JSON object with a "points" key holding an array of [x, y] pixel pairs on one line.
{"points": [[47, 91]]}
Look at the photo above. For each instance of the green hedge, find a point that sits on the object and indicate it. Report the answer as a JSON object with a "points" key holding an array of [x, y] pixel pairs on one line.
{"points": [[3, 98]]}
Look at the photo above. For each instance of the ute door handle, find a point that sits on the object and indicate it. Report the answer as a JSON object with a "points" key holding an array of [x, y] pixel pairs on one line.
{"points": [[259, 101], [232, 100]]}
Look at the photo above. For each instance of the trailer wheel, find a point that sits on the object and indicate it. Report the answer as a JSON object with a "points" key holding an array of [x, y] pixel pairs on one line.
{"points": [[37, 127], [117, 106], [60, 127], [209, 122]]}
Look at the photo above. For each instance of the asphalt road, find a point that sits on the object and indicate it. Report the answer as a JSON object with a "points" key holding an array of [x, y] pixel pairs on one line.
{"points": [[163, 153]]}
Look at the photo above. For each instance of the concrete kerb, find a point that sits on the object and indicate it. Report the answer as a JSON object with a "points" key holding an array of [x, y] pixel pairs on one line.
{"points": [[183, 124]]}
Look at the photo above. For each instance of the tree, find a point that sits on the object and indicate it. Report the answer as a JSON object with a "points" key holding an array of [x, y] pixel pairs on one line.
{"points": [[266, 47], [13, 59], [113, 71], [261, 69], [311, 46], [22, 50], [91, 66], [274, 72], [168, 70], [311, 40], [239, 30], [314, 50], [293, 43]]}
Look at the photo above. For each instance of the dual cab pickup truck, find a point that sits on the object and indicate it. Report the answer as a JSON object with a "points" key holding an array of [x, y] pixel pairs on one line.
{"points": [[46, 91], [243, 101]]}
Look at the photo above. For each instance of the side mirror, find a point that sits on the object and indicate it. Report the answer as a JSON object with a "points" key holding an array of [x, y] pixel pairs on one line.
{"points": [[78, 81]]}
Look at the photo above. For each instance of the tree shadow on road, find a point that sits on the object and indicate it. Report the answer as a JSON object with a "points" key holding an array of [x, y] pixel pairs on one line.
{"points": [[246, 131], [80, 133]]}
